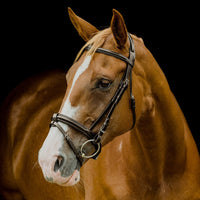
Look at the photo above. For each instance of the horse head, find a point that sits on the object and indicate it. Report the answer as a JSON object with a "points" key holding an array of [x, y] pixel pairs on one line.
{"points": [[93, 81]]}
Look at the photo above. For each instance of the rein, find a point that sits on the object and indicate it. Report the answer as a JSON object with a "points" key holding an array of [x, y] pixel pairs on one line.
{"points": [[95, 138]]}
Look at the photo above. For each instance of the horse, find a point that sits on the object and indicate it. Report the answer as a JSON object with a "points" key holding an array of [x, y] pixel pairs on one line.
{"points": [[114, 105]]}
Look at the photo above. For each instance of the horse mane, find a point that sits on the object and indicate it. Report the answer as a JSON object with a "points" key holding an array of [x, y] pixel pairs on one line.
{"points": [[96, 41]]}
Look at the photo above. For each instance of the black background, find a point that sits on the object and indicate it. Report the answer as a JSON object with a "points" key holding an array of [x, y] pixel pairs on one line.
{"points": [[38, 35]]}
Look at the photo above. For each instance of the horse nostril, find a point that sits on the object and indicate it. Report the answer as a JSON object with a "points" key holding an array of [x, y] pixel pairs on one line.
{"points": [[59, 162]]}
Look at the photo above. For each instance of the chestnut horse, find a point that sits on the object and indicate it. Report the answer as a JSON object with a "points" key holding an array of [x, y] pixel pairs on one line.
{"points": [[157, 159]]}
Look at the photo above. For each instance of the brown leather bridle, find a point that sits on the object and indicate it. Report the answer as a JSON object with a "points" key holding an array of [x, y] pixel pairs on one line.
{"points": [[95, 137]]}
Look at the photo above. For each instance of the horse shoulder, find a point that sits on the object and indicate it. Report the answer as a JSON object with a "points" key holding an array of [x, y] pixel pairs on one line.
{"points": [[25, 115]]}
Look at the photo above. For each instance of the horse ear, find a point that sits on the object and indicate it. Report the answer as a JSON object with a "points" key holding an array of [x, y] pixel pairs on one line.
{"points": [[85, 29], [118, 28]]}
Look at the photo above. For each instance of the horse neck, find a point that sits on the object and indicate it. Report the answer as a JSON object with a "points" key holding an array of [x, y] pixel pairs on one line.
{"points": [[158, 137]]}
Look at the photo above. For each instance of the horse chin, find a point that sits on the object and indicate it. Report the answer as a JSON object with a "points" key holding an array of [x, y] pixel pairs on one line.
{"points": [[70, 181]]}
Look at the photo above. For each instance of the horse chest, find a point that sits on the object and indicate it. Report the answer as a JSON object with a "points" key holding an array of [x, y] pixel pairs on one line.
{"points": [[113, 178], [110, 177]]}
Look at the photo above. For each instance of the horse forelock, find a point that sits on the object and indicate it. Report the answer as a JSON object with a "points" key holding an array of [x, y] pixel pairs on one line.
{"points": [[96, 41]]}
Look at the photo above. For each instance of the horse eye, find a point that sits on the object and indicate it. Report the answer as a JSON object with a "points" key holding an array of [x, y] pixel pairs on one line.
{"points": [[104, 84]]}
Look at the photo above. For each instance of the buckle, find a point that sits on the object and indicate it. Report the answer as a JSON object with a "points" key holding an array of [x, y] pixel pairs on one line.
{"points": [[132, 99], [54, 117]]}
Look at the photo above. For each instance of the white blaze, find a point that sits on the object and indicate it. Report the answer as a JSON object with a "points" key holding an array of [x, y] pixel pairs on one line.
{"points": [[68, 109]]}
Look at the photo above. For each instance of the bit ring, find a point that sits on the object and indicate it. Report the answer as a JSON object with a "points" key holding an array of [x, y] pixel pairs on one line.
{"points": [[94, 154]]}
